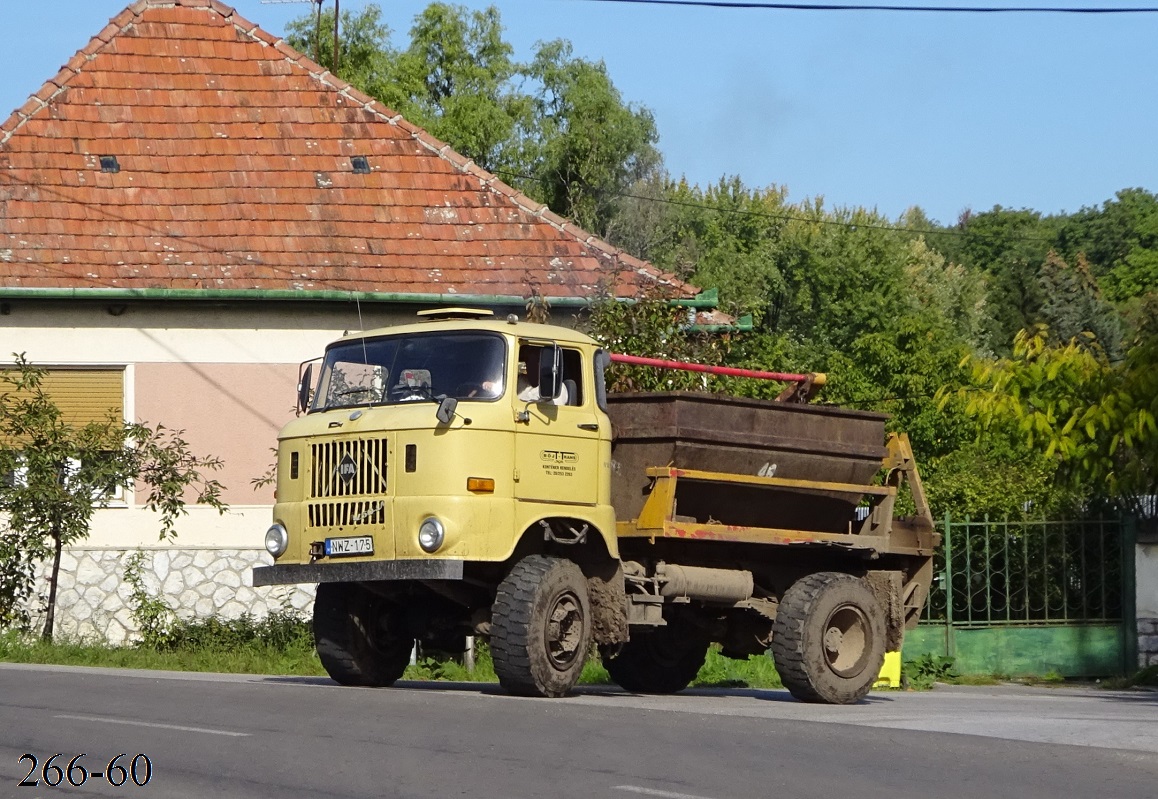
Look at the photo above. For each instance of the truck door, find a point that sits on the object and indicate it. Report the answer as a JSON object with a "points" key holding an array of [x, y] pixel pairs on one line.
{"points": [[557, 446]]}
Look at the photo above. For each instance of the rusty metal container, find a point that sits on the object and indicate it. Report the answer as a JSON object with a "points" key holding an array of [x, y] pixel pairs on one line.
{"points": [[718, 433]]}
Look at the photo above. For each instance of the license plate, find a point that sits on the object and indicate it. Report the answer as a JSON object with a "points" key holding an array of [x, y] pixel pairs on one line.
{"points": [[360, 545]]}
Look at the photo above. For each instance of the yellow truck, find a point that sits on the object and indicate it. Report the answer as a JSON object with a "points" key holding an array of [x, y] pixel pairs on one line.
{"points": [[470, 475]]}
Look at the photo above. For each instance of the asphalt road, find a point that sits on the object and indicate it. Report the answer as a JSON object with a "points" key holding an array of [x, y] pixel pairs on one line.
{"points": [[231, 736]]}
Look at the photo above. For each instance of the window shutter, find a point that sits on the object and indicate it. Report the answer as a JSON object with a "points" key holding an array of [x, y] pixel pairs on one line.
{"points": [[86, 395]]}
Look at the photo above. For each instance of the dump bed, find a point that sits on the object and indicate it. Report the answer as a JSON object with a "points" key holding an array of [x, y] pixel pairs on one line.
{"points": [[733, 435]]}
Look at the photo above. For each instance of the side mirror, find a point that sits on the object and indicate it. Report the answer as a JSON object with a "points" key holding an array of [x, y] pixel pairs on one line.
{"points": [[304, 384], [550, 373], [602, 361], [446, 409]]}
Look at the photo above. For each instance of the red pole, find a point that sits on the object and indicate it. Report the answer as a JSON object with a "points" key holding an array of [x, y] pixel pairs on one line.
{"points": [[715, 370]]}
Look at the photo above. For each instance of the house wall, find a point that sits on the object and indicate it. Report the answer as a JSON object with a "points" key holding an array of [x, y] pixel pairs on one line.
{"points": [[226, 375]]}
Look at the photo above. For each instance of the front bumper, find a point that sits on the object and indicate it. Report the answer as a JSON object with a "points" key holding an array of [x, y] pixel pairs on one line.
{"points": [[294, 573]]}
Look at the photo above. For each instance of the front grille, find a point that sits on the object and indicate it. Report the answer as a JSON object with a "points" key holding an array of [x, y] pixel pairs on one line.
{"points": [[348, 468], [347, 514]]}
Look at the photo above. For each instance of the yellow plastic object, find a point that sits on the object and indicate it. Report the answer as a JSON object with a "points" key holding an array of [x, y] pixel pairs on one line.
{"points": [[891, 672]]}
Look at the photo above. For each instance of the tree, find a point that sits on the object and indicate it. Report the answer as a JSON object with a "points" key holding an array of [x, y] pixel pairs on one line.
{"points": [[591, 145], [456, 80], [1093, 419], [57, 474], [1120, 242], [726, 236], [650, 326], [1073, 305], [555, 128], [367, 57], [1009, 247]]}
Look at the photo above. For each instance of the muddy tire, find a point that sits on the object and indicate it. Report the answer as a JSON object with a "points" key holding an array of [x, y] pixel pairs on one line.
{"points": [[662, 661], [355, 637], [541, 627], [829, 639]]}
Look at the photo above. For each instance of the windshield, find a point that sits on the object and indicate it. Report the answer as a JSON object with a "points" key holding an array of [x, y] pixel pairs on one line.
{"points": [[393, 369]]}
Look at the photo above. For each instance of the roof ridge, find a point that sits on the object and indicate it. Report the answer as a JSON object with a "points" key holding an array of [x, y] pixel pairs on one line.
{"points": [[488, 180]]}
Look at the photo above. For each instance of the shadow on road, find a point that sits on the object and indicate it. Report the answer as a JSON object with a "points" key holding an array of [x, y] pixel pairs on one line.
{"points": [[1140, 696], [609, 691]]}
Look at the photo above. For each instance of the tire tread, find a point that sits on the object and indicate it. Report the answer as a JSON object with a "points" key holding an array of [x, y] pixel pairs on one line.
{"points": [[511, 625], [788, 640], [343, 645]]}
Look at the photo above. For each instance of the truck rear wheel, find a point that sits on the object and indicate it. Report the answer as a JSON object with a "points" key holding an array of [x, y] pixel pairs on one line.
{"points": [[662, 661], [356, 636], [541, 627], [829, 639]]}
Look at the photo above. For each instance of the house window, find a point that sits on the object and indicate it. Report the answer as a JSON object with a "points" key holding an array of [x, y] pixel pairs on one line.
{"points": [[83, 395]]}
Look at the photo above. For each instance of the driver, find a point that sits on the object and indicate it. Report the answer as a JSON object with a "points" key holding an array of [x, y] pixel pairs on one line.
{"points": [[492, 387], [489, 387], [528, 384]]}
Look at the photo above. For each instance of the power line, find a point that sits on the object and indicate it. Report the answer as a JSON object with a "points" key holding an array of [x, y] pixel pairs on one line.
{"points": [[879, 7], [787, 217]]}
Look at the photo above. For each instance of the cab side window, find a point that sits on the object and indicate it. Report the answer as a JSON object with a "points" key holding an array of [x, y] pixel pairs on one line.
{"points": [[573, 376], [528, 379]]}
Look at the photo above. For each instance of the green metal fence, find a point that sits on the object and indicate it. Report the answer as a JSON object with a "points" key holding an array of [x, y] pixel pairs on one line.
{"points": [[1031, 596]]}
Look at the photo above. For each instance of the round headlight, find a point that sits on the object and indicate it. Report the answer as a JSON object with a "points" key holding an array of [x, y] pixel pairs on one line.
{"points": [[431, 534], [276, 540]]}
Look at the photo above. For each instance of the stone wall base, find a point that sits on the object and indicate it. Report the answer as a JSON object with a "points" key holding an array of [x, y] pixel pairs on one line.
{"points": [[92, 600], [1147, 642]]}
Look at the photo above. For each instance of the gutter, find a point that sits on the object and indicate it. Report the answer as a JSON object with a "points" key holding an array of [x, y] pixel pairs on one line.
{"points": [[705, 299]]}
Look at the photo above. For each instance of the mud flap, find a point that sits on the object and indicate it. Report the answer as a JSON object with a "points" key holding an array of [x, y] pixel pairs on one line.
{"points": [[886, 588], [605, 587]]}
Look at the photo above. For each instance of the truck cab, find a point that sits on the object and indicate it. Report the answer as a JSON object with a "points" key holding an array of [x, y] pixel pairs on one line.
{"points": [[426, 461]]}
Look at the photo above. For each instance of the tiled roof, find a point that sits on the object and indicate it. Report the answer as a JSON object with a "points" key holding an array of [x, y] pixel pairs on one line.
{"points": [[235, 173]]}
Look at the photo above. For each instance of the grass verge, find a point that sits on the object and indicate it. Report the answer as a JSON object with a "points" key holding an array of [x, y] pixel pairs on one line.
{"points": [[282, 644], [1147, 678], [718, 671]]}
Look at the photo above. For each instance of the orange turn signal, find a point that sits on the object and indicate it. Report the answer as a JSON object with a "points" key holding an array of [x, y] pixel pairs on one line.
{"points": [[484, 485]]}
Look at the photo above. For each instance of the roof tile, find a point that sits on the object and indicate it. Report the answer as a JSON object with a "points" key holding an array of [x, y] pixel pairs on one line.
{"points": [[234, 154]]}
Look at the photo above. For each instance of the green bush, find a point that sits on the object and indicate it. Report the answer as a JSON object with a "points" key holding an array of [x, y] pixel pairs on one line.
{"points": [[279, 630], [922, 673]]}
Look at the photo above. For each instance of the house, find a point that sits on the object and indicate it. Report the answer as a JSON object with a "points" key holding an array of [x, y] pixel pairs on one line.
{"points": [[188, 210]]}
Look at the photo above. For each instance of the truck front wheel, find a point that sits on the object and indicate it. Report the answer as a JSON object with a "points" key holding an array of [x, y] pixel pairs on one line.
{"points": [[828, 640], [357, 636], [541, 627], [660, 661]]}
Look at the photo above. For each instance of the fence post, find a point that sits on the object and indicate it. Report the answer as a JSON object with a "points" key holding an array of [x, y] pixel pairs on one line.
{"points": [[950, 644], [1127, 538]]}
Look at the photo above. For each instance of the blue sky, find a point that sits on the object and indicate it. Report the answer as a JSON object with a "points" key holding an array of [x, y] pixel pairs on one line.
{"points": [[944, 111]]}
